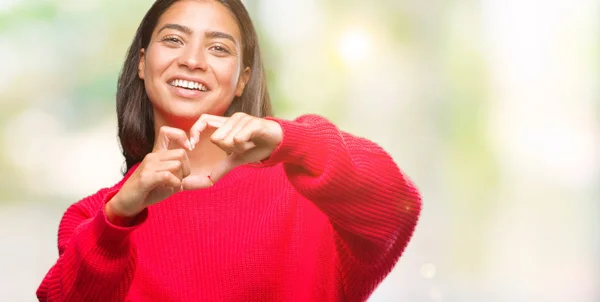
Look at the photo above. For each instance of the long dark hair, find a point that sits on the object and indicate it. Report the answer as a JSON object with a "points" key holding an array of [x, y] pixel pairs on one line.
{"points": [[134, 110]]}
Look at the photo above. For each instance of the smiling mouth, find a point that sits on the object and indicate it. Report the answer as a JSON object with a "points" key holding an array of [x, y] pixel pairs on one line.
{"points": [[188, 85]]}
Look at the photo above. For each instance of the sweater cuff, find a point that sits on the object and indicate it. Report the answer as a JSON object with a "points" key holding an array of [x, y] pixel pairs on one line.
{"points": [[110, 237], [290, 150]]}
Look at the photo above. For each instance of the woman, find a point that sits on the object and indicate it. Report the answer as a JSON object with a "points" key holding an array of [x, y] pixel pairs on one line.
{"points": [[220, 201]]}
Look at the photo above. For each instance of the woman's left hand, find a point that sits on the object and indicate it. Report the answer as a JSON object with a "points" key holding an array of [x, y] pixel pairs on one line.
{"points": [[246, 138]]}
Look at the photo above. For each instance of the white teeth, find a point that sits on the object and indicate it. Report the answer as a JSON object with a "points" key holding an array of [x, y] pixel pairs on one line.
{"points": [[188, 84]]}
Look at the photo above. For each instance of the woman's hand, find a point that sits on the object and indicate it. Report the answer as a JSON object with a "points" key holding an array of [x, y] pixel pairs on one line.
{"points": [[158, 176], [166, 170], [246, 138]]}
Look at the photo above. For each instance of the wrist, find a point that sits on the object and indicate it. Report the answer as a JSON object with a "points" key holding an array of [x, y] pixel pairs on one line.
{"points": [[117, 216]]}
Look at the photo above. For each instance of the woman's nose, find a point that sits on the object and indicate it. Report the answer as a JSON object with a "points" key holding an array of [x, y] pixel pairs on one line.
{"points": [[193, 58]]}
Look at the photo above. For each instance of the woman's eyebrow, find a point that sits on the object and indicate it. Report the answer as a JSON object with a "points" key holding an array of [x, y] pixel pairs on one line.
{"points": [[178, 27], [220, 35]]}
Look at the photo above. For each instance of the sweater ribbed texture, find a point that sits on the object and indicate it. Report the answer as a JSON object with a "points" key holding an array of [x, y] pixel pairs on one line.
{"points": [[325, 218]]}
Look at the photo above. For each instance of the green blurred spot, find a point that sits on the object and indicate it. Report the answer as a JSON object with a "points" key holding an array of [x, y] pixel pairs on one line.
{"points": [[28, 12]]}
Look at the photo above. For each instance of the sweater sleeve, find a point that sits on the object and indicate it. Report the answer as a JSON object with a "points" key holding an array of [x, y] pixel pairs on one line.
{"points": [[97, 261], [371, 205]]}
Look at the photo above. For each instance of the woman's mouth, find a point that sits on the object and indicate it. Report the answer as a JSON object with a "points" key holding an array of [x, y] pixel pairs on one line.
{"points": [[188, 85]]}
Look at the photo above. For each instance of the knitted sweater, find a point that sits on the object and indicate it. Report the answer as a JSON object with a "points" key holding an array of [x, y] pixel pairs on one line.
{"points": [[325, 218]]}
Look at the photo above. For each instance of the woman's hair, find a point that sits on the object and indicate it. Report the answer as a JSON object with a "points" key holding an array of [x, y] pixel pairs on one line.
{"points": [[134, 109]]}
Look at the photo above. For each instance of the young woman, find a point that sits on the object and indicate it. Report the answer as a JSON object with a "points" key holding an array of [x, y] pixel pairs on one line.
{"points": [[220, 201]]}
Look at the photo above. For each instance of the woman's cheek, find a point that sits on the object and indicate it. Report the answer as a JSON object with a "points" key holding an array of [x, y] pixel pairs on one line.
{"points": [[229, 73]]}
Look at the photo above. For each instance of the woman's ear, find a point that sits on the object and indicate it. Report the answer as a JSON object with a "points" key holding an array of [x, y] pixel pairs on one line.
{"points": [[141, 63], [242, 81]]}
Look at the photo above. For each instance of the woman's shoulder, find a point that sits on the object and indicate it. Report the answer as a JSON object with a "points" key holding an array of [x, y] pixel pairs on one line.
{"points": [[89, 205]]}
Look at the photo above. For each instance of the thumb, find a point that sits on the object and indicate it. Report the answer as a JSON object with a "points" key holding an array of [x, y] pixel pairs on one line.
{"points": [[194, 182]]}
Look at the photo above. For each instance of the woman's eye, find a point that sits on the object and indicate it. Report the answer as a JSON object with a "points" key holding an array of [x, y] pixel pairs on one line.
{"points": [[171, 39], [219, 48]]}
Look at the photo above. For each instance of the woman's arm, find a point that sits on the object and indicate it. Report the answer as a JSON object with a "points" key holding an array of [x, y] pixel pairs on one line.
{"points": [[97, 261], [372, 206]]}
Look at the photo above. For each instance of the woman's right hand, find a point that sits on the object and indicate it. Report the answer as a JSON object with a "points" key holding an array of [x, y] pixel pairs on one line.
{"points": [[159, 175]]}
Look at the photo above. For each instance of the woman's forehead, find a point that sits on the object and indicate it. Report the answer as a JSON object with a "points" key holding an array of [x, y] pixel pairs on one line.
{"points": [[201, 16]]}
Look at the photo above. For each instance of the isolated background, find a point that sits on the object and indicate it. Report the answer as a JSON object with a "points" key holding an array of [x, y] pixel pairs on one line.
{"points": [[491, 107]]}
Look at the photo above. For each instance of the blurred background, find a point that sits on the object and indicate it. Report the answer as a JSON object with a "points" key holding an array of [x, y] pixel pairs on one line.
{"points": [[492, 107]]}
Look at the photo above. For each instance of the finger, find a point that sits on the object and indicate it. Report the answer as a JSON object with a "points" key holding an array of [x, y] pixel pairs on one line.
{"points": [[173, 154], [186, 167], [243, 138], [178, 155], [194, 182], [168, 179], [153, 179], [218, 137], [195, 131], [238, 144], [169, 135], [204, 121], [223, 131], [173, 166]]}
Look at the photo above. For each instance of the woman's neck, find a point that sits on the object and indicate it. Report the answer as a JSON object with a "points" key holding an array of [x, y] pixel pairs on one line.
{"points": [[206, 155]]}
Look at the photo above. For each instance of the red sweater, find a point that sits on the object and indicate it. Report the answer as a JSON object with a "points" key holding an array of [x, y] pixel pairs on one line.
{"points": [[325, 218]]}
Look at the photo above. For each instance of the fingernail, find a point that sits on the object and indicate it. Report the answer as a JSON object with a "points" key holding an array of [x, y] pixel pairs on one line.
{"points": [[194, 142], [189, 145], [211, 182]]}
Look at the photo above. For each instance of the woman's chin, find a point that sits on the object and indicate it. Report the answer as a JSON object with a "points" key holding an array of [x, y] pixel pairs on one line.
{"points": [[195, 109], [188, 111], [185, 114], [185, 118], [177, 118]]}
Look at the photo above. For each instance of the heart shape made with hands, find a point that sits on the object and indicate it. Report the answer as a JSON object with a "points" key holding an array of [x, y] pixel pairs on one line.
{"points": [[245, 138]]}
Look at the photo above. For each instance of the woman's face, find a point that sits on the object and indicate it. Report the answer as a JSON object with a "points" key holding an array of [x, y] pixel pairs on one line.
{"points": [[193, 64]]}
